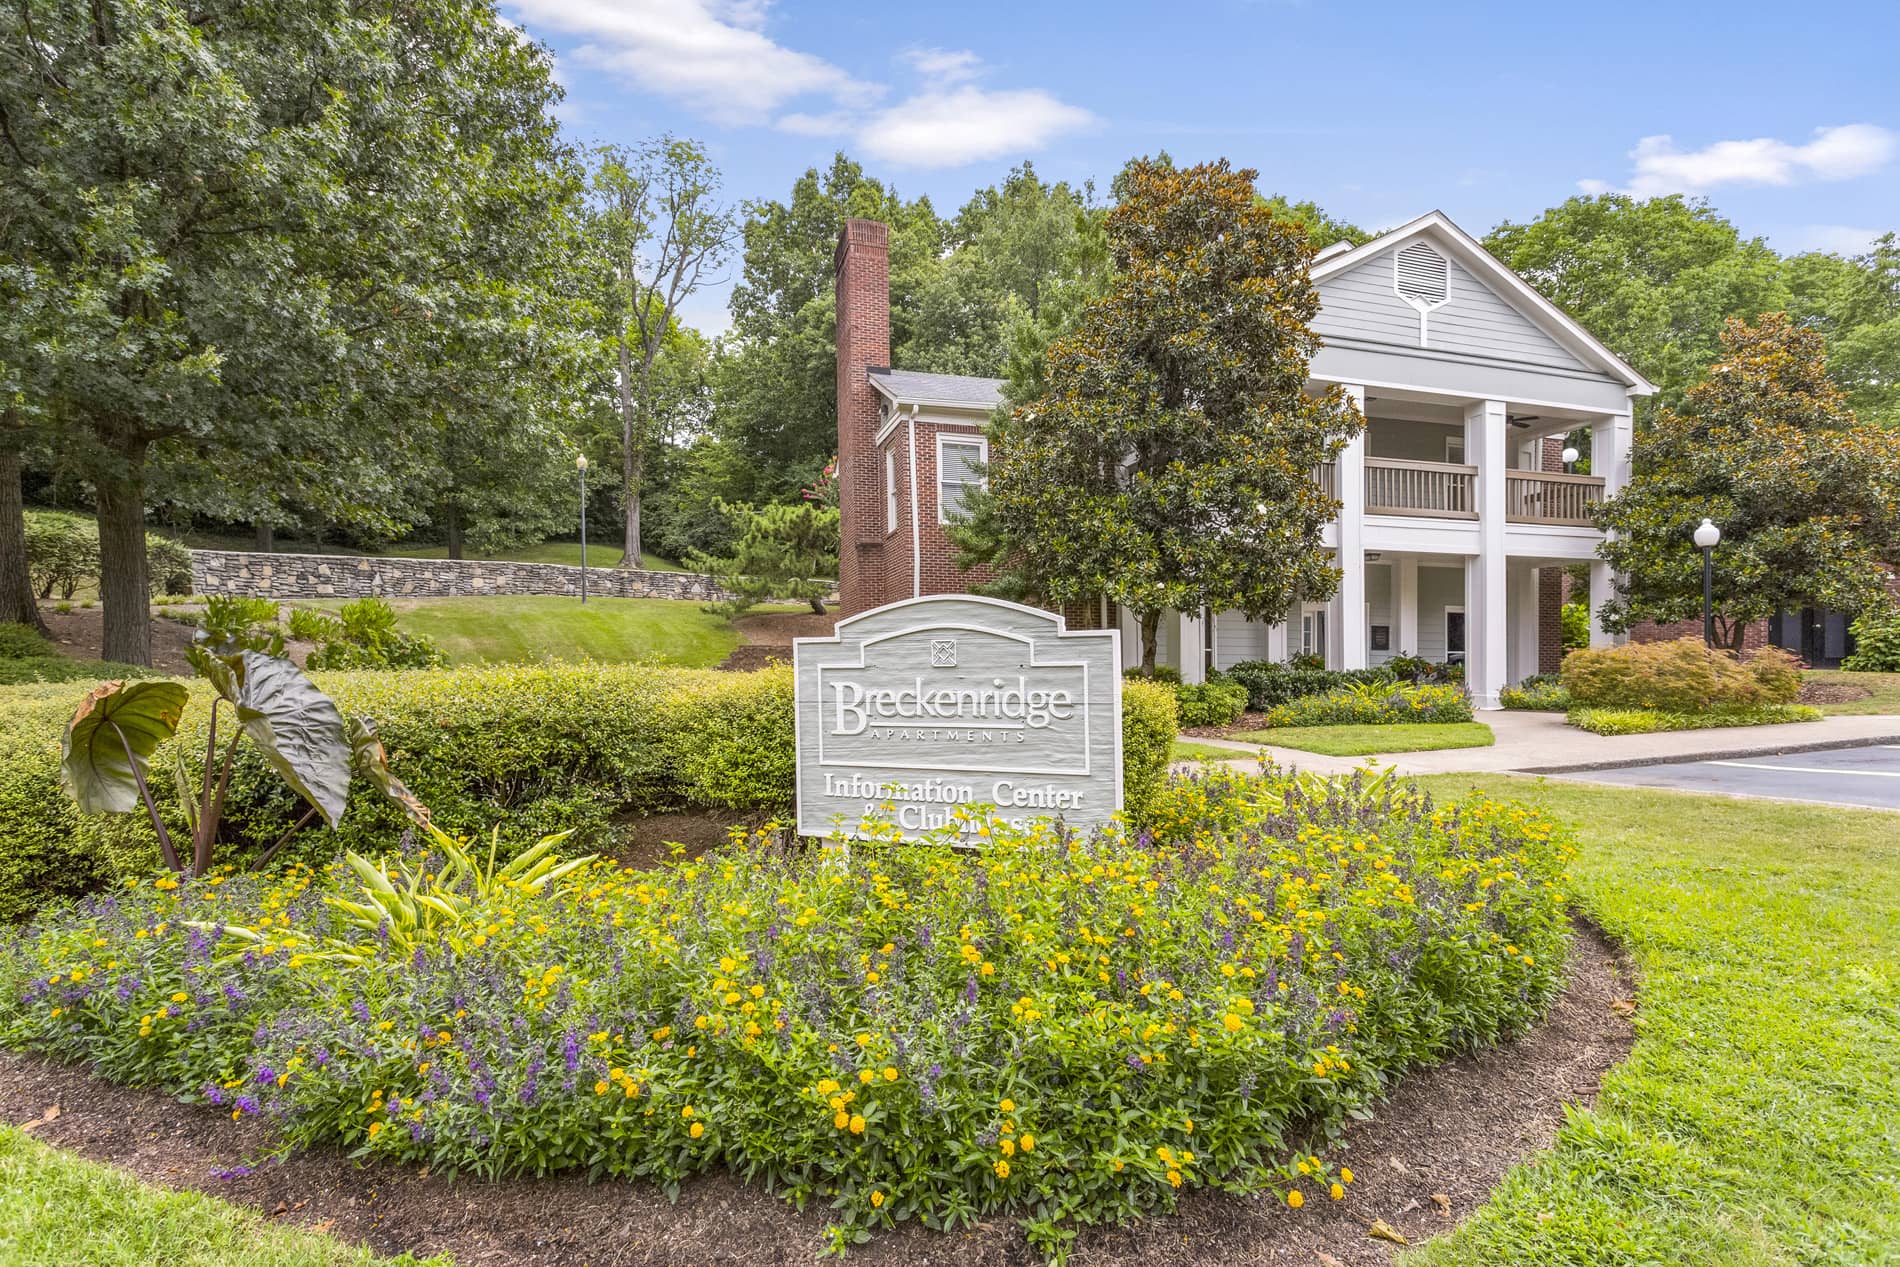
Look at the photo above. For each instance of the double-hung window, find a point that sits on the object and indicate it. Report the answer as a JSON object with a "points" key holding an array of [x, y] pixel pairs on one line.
{"points": [[959, 464], [890, 491]]}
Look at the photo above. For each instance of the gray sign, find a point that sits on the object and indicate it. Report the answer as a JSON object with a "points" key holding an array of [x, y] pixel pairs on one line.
{"points": [[934, 704]]}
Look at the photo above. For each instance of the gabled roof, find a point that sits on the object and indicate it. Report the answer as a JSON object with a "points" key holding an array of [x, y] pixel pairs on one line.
{"points": [[951, 391], [1469, 252]]}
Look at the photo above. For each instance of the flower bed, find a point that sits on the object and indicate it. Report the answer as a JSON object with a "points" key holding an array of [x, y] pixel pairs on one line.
{"points": [[1646, 721], [1069, 1031], [1374, 704]]}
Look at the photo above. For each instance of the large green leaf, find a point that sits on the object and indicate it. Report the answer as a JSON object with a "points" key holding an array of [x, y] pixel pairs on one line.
{"points": [[93, 757], [297, 728]]}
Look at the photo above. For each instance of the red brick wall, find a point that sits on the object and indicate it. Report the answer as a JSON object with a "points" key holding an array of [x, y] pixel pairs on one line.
{"points": [[863, 267], [1754, 636], [1550, 619]]}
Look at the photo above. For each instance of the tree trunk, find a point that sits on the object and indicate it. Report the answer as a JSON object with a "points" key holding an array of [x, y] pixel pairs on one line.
{"points": [[1150, 627], [630, 456], [263, 538], [16, 583], [452, 517], [124, 574]]}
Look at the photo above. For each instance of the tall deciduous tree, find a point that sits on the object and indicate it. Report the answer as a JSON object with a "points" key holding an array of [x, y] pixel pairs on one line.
{"points": [[233, 222], [1854, 303], [1808, 500], [660, 229], [1653, 279], [1168, 465]]}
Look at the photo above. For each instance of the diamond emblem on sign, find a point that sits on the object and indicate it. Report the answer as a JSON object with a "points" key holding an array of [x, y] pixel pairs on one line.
{"points": [[943, 653]]}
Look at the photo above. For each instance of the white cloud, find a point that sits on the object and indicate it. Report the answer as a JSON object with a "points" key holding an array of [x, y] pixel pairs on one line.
{"points": [[947, 127], [1838, 239], [712, 55], [716, 58], [1836, 153]]}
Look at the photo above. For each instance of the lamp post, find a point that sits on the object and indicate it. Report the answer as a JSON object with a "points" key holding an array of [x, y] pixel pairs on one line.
{"points": [[1706, 537], [580, 464], [1570, 458]]}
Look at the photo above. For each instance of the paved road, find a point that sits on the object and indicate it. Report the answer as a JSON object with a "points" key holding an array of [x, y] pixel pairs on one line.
{"points": [[1841, 776]]}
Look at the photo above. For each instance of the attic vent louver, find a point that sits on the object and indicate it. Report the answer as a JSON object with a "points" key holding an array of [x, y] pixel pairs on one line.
{"points": [[1422, 278]]}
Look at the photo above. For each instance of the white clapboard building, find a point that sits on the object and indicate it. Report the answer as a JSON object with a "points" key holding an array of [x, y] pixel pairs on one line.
{"points": [[1456, 517]]}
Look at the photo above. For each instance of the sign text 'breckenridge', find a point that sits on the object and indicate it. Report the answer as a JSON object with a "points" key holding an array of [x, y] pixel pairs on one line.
{"points": [[936, 704]]}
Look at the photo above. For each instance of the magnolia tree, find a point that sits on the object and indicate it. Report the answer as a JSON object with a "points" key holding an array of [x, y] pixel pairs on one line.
{"points": [[1807, 499], [1168, 463]]}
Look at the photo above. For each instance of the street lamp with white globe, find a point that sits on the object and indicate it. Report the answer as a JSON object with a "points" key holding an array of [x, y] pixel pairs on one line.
{"points": [[580, 464], [1570, 456], [1707, 536]]}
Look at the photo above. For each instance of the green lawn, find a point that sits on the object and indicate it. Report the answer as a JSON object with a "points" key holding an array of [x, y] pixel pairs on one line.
{"points": [[1188, 750], [58, 1210], [512, 630], [1885, 688], [1757, 1121], [1359, 741]]}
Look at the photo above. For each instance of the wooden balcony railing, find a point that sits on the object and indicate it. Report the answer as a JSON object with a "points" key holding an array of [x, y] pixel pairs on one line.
{"points": [[1546, 497], [1443, 490]]}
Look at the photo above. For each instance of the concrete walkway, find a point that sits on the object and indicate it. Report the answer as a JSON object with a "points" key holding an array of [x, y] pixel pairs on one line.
{"points": [[1541, 743]]}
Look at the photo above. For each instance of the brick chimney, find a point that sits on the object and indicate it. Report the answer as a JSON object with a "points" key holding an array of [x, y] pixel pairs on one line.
{"points": [[863, 267]]}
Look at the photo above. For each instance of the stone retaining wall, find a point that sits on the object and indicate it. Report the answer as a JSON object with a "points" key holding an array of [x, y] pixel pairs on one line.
{"points": [[287, 576]]}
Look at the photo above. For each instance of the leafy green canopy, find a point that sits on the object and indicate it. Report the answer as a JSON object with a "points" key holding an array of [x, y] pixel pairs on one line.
{"points": [[1169, 463], [1807, 499], [243, 242]]}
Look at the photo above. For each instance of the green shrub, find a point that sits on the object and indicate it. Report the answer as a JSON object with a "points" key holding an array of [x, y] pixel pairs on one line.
{"points": [[1644, 721], [23, 642], [1374, 704], [1150, 721], [57, 668], [1576, 625], [1269, 683], [1876, 642], [1683, 676], [1539, 693], [992, 1038], [1215, 702], [62, 556], [363, 636], [536, 749], [1160, 673]]}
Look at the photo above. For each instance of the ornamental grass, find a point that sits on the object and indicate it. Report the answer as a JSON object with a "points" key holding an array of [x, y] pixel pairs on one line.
{"points": [[1062, 1029]]}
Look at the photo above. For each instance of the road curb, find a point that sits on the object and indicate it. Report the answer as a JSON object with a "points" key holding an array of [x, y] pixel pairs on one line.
{"points": [[1631, 763]]}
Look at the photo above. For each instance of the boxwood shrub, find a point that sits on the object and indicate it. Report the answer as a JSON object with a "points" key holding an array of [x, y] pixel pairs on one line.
{"points": [[538, 749], [1269, 683], [1065, 1031], [1374, 704]]}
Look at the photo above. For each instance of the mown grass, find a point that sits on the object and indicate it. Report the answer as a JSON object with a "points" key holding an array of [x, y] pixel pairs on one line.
{"points": [[58, 1210], [1885, 688], [1757, 1121], [1359, 741], [513, 630], [1188, 750]]}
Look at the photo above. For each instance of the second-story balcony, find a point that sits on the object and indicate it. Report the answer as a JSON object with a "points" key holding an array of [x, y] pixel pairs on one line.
{"points": [[1449, 490]]}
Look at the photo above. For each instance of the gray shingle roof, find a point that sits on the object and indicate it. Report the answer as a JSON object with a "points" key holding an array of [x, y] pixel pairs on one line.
{"points": [[906, 386]]}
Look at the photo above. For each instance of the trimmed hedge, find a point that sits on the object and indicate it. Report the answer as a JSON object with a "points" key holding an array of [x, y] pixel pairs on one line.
{"points": [[541, 748], [1269, 683], [27, 657], [1683, 676]]}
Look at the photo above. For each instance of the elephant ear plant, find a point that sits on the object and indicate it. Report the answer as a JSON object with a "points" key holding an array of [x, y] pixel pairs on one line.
{"points": [[108, 747]]}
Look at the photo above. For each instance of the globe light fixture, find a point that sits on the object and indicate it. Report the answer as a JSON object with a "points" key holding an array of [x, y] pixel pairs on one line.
{"points": [[1707, 536], [1570, 456]]}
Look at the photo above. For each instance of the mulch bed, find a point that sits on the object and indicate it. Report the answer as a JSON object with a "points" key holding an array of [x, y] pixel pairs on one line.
{"points": [[767, 638], [1240, 724], [81, 633], [1831, 693], [1434, 1151]]}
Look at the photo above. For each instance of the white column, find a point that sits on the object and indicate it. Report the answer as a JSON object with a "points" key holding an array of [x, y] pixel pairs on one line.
{"points": [[1405, 604], [1486, 651], [1523, 623], [1351, 472], [1193, 660], [1611, 438]]}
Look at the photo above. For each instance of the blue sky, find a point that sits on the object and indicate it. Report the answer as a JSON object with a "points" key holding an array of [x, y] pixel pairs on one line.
{"points": [[1787, 117]]}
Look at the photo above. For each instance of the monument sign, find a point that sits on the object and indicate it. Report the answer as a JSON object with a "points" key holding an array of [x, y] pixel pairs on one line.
{"points": [[932, 704]]}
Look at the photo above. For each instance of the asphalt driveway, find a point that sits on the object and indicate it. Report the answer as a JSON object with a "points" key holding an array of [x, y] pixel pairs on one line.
{"points": [[1867, 775]]}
